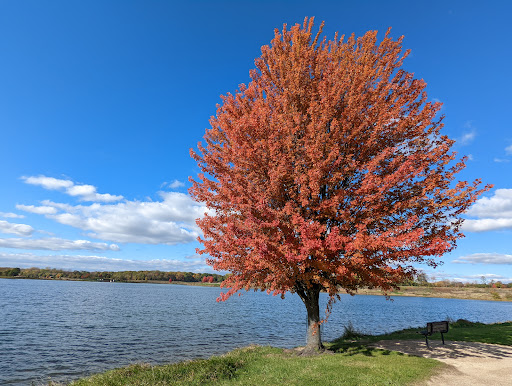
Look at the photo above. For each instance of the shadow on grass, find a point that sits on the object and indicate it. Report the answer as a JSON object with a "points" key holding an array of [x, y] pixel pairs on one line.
{"points": [[409, 341], [452, 349], [356, 348]]}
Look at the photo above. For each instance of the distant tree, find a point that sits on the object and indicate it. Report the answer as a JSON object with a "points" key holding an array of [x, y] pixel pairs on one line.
{"points": [[188, 277], [10, 271], [180, 276], [13, 272], [327, 172], [421, 278], [198, 277]]}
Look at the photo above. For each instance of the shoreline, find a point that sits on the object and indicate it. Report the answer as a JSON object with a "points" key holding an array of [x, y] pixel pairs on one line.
{"points": [[467, 293], [464, 293]]}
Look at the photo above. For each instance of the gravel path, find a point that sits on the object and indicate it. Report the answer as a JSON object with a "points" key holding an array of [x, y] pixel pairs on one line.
{"points": [[470, 363]]}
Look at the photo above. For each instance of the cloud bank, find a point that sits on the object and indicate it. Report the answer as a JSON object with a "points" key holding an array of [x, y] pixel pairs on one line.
{"points": [[169, 221], [493, 213], [98, 263], [485, 258], [56, 244]]}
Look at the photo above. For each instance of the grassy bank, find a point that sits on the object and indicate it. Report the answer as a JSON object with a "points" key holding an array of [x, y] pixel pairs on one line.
{"points": [[273, 366], [495, 294], [349, 361]]}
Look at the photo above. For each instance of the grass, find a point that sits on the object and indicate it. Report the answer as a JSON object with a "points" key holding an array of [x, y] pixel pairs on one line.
{"points": [[495, 294], [349, 362], [274, 366], [461, 330]]}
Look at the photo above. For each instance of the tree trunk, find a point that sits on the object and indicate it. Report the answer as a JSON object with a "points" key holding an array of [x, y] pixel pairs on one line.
{"points": [[310, 297]]}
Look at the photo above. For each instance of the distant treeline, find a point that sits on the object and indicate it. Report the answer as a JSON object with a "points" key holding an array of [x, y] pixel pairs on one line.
{"points": [[51, 273]]}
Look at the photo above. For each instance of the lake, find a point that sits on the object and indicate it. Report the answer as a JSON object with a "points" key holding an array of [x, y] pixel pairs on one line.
{"points": [[64, 330]]}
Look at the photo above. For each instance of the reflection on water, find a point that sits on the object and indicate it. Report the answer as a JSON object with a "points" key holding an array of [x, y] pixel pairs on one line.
{"points": [[65, 330]]}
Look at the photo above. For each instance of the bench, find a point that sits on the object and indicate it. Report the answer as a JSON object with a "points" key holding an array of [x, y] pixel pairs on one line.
{"points": [[433, 327]]}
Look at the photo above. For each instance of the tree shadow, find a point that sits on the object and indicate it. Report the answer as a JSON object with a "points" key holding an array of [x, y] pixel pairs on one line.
{"points": [[450, 350], [358, 347]]}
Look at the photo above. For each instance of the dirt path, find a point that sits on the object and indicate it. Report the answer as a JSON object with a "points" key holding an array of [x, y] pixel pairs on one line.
{"points": [[470, 364]]}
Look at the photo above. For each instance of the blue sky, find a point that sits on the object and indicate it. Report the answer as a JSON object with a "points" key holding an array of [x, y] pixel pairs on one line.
{"points": [[100, 102]]}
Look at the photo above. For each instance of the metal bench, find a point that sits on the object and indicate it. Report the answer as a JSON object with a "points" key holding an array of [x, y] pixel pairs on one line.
{"points": [[433, 327]]}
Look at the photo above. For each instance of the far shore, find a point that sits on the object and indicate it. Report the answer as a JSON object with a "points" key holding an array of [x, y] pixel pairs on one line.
{"points": [[470, 293]]}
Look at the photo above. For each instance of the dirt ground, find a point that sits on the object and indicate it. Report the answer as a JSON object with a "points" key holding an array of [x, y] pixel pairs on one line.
{"points": [[498, 294], [469, 363]]}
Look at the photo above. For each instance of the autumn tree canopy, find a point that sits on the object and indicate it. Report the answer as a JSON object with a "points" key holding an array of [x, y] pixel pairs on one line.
{"points": [[328, 172]]}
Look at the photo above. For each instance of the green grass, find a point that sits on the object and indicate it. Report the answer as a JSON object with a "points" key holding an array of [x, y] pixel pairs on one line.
{"points": [[273, 366], [350, 362], [461, 330]]}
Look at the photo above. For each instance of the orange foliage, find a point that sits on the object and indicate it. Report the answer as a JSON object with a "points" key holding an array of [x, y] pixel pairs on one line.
{"points": [[328, 170]]}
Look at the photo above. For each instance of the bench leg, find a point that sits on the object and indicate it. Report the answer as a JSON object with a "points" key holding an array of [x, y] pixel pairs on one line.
{"points": [[442, 337], [426, 340]]}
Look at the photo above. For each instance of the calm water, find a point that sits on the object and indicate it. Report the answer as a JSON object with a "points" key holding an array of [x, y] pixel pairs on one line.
{"points": [[65, 330]]}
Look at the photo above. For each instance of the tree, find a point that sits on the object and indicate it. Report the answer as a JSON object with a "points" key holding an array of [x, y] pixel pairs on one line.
{"points": [[208, 279], [327, 172]]}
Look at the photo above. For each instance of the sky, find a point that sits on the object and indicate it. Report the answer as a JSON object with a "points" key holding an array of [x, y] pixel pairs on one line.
{"points": [[101, 101]]}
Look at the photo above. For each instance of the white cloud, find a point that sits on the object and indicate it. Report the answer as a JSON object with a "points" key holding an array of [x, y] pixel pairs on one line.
{"points": [[194, 257], [176, 184], [500, 160], [82, 192], [56, 244], [98, 263], [16, 229], [508, 150], [491, 276], [485, 258], [169, 221], [11, 215], [487, 224], [37, 209], [493, 213], [497, 206], [49, 183], [468, 136]]}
